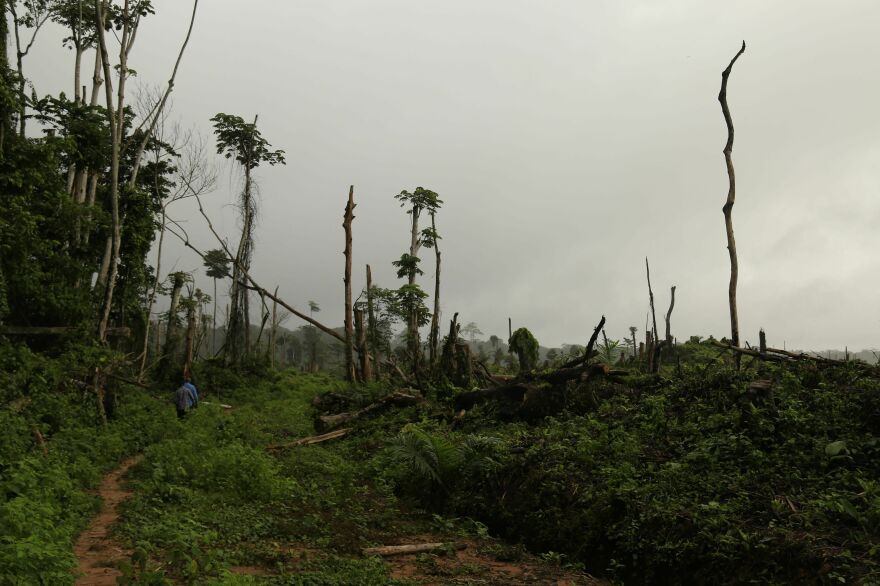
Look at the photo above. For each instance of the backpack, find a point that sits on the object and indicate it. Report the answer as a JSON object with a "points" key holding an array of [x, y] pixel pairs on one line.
{"points": [[182, 398]]}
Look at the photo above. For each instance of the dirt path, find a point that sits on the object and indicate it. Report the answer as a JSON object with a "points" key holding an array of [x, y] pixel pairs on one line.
{"points": [[95, 549]]}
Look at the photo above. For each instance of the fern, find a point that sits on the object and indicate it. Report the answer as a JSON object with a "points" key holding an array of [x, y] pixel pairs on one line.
{"points": [[436, 459]]}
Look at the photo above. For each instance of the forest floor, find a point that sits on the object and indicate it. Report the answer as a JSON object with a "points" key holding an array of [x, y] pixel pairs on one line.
{"points": [[212, 505], [96, 550]]}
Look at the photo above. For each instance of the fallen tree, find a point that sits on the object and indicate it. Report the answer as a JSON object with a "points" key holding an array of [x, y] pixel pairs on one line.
{"points": [[395, 399], [539, 393], [312, 439], [411, 548]]}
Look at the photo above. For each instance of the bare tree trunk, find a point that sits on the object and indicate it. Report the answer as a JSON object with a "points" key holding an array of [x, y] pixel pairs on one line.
{"points": [[214, 322], [153, 291], [347, 219], [190, 338], [669, 315], [97, 80], [77, 76], [101, 281], [434, 339], [274, 332], [371, 317], [116, 143], [366, 372], [651, 298], [728, 205], [176, 288], [413, 325]]}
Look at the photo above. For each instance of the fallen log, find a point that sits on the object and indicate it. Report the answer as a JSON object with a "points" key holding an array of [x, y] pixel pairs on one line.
{"points": [[221, 405], [391, 550], [777, 355], [517, 390], [395, 399], [312, 439]]}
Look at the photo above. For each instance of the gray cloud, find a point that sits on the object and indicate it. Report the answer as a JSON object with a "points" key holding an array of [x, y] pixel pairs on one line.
{"points": [[568, 139]]}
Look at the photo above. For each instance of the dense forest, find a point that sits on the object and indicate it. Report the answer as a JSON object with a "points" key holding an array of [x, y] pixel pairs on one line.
{"points": [[402, 446]]}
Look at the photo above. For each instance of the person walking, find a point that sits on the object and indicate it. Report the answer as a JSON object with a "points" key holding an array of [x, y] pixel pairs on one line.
{"points": [[186, 397]]}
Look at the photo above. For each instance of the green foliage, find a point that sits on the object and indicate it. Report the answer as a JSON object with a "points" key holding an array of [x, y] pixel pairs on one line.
{"points": [[217, 263], [43, 498], [524, 344], [423, 462], [419, 200], [242, 141], [695, 480]]}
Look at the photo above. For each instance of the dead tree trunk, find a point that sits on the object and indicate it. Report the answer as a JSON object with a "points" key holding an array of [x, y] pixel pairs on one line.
{"points": [[434, 337], [190, 338], [455, 359], [651, 299], [371, 325], [728, 205], [347, 219], [273, 335], [176, 288], [762, 341], [669, 315], [365, 366]]}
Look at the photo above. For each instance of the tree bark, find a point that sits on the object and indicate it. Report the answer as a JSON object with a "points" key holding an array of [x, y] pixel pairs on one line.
{"points": [[115, 115], [274, 332], [371, 324], [190, 338], [434, 337], [366, 370], [668, 316], [728, 205], [347, 219], [101, 281], [651, 298], [171, 328], [153, 291]]}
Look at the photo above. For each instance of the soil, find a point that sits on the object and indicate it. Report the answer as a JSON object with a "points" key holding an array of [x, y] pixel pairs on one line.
{"points": [[96, 549]]}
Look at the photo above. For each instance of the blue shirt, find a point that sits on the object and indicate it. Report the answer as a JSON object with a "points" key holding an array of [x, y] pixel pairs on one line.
{"points": [[195, 394]]}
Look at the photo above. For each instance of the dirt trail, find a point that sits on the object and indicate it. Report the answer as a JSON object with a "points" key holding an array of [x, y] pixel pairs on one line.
{"points": [[95, 549]]}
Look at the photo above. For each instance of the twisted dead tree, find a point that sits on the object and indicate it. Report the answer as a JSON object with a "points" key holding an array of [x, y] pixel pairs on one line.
{"points": [[728, 205]]}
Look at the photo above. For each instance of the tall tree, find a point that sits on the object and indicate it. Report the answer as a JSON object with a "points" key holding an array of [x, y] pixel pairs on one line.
{"points": [[411, 296], [431, 238], [243, 143], [217, 267], [728, 205]]}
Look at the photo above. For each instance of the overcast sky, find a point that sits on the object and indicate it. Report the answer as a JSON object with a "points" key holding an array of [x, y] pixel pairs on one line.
{"points": [[568, 140]]}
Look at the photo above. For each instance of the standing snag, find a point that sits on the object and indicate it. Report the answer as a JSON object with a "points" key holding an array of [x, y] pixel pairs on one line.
{"points": [[347, 219], [728, 205]]}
